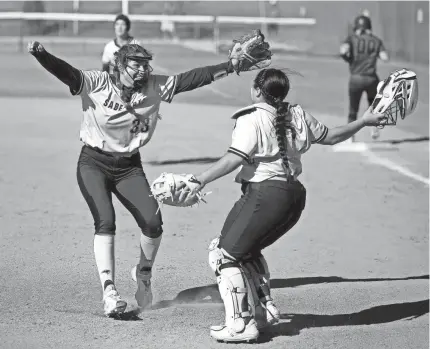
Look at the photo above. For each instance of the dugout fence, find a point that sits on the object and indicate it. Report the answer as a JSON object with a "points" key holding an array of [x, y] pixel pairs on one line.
{"points": [[315, 28]]}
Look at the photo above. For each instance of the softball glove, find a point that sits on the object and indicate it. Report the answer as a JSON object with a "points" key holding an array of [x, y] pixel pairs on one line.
{"points": [[250, 52], [171, 189]]}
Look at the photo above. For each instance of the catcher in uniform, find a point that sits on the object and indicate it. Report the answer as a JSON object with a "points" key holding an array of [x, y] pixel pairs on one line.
{"points": [[268, 140], [361, 51], [120, 113], [122, 27]]}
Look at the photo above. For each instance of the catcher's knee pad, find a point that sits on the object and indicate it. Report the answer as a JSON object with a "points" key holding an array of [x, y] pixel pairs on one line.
{"points": [[214, 254], [232, 286]]}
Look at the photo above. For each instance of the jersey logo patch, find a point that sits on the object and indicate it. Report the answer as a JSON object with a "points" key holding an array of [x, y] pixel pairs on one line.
{"points": [[113, 105], [139, 99]]}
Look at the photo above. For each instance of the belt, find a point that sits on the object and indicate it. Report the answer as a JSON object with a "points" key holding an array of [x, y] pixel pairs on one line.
{"points": [[288, 179], [117, 155]]}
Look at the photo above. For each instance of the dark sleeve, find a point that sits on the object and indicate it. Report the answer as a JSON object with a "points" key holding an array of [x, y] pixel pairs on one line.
{"points": [[348, 58], [69, 75], [105, 67], [199, 77]]}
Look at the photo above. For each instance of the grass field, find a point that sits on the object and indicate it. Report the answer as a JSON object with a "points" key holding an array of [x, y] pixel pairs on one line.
{"points": [[352, 274]]}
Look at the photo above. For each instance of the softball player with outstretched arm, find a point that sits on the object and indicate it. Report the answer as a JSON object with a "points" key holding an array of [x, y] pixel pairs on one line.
{"points": [[361, 51], [122, 27], [269, 139], [120, 113]]}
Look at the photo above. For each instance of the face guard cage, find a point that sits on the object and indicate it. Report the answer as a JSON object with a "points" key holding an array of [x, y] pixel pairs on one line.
{"points": [[391, 103], [393, 95]]}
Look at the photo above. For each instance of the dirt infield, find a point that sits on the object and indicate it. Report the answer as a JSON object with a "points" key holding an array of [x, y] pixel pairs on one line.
{"points": [[352, 274]]}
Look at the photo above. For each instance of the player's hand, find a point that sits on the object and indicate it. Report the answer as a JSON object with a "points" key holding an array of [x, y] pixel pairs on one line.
{"points": [[35, 47], [373, 119], [190, 191]]}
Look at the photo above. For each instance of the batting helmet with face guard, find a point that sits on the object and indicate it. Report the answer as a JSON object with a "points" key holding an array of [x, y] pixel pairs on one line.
{"points": [[397, 96], [362, 23], [132, 52]]}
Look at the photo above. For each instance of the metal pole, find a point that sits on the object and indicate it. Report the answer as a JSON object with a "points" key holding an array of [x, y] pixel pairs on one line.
{"points": [[125, 7], [262, 11], [414, 18], [21, 36], [216, 35], [76, 22]]}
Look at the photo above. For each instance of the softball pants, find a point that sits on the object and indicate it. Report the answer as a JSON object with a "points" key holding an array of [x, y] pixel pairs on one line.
{"points": [[263, 214], [100, 174], [357, 85]]}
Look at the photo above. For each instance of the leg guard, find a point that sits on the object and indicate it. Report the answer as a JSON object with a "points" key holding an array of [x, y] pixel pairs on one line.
{"points": [[232, 287], [258, 275]]}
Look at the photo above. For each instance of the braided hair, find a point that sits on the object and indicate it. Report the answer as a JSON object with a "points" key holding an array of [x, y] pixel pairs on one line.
{"points": [[274, 86], [125, 53]]}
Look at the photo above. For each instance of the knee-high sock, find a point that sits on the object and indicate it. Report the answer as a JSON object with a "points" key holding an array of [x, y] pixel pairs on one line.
{"points": [[148, 252], [104, 252]]}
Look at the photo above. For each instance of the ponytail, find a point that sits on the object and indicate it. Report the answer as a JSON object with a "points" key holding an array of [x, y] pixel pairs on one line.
{"points": [[274, 86], [280, 126], [281, 131]]}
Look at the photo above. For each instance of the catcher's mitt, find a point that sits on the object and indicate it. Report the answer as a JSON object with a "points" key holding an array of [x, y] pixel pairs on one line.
{"points": [[166, 190], [250, 52]]}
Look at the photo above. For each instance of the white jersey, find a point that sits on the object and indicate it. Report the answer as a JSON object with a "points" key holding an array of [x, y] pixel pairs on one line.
{"points": [[254, 139], [110, 48], [108, 125]]}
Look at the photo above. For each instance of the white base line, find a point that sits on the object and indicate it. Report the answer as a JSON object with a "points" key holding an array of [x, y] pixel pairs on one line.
{"points": [[366, 151], [373, 158]]}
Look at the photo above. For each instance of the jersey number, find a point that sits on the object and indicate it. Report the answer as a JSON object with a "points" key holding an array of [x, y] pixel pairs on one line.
{"points": [[366, 47], [139, 126]]}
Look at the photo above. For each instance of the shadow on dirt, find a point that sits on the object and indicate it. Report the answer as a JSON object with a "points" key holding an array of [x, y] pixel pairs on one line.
{"points": [[196, 295], [295, 282], [380, 314], [131, 315], [210, 294], [405, 140]]}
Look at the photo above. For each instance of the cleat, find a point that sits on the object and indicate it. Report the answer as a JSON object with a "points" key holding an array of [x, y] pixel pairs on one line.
{"points": [[225, 334], [113, 304], [375, 133], [143, 294]]}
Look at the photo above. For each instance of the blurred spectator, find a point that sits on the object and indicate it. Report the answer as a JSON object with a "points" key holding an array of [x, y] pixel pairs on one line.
{"points": [[40, 26], [37, 26], [302, 11], [122, 26], [167, 25], [180, 7]]}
